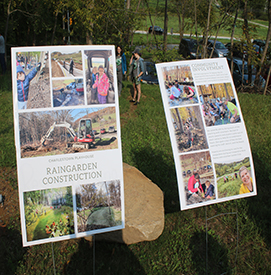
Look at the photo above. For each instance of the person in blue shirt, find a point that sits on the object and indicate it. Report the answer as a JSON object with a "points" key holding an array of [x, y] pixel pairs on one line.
{"points": [[23, 83], [175, 93]]}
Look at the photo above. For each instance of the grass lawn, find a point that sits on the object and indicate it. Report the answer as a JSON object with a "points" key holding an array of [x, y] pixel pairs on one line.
{"points": [[230, 188], [36, 231], [181, 249]]}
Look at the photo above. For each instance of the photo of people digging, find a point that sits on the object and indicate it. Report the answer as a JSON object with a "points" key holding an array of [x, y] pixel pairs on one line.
{"points": [[179, 84], [33, 82], [48, 213], [189, 129], [98, 205], [218, 104], [68, 92], [198, 177], [67, 131], [99, 77]]}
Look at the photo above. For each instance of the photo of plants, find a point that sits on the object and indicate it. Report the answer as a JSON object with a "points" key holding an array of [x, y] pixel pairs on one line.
{"points": [[48, 213], [98, 205]]}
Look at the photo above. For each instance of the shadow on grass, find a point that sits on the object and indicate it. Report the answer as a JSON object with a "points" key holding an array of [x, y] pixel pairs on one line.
{"points": [[260, 205], [161, 172], [11, 250], [218, 262], [110, 258]]}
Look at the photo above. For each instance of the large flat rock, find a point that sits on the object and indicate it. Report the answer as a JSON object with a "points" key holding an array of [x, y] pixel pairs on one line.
{"points": [[144, 210]]}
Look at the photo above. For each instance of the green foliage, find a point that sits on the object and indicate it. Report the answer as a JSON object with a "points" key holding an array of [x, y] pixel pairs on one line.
{"points": [[165, 56]]}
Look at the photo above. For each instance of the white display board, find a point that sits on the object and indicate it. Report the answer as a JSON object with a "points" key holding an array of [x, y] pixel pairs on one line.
{"points": [[211, 149], [68, 142]]}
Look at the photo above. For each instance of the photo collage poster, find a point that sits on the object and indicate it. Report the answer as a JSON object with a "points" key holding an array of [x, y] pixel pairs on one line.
{"points": [[210, 145], [68, 142]]}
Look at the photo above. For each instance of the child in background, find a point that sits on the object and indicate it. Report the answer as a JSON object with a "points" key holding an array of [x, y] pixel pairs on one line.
{"points": [[102, 85], [93, 90], [209, 190], [23, 83]]}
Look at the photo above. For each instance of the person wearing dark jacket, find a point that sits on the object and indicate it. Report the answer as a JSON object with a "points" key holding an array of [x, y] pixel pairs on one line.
{"points": [[23, 83], [71, 67]]}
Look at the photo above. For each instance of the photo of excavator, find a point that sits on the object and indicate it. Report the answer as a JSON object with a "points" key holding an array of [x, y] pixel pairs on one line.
{"points": [[83, 139], [67, 131]]}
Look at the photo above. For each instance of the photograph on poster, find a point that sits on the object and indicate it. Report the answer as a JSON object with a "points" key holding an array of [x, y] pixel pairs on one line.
{"points": [[68, 92], [198, 177], [234, 178], [218, 104], [98, 205], [99, 77], [189, 129], [33, 81], [67, 63], [48, 213], [179, 85], [67, 131]]}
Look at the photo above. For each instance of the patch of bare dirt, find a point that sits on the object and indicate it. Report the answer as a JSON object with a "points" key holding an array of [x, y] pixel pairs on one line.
{"points": [[56, 70], [199, 142], [39, 90], [10, 206], [59, 148]]}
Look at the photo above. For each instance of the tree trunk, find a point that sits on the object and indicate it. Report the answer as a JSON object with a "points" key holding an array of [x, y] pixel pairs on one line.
{"points": [[249, 46], [165, 28], [266, 44], [207, 28], [128, 5], [232, 35], [179, 120], [7, 22], [151, 23], [54, 30], [196, 28]]}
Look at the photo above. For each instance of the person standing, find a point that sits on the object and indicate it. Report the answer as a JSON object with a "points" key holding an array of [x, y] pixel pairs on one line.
{"points": [[71, 66], [121, 66], [137, 64], [2, 54], [189, 136], [102, 85]]}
